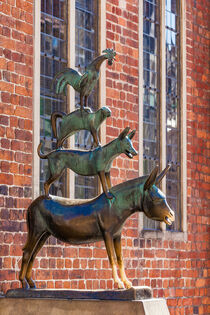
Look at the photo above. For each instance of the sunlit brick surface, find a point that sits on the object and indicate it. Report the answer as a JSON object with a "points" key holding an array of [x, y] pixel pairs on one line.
{"points": [[176, 270]]}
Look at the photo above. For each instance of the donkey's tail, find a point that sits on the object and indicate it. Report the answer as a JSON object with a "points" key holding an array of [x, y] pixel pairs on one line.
{"points": [[54, 117], [40, 154]]}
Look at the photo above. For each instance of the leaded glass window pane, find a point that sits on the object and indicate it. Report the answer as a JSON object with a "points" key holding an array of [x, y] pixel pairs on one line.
{"points": [[173, 110], [151, 92], [53, 59], [86, 51]]}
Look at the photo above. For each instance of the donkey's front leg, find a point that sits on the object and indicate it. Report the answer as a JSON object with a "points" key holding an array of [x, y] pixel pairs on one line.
{"points": [[118, 251], [110, 251]]}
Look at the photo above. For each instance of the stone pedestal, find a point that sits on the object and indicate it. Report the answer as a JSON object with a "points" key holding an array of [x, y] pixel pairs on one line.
{"points": [[82, 307], [135, 301]]}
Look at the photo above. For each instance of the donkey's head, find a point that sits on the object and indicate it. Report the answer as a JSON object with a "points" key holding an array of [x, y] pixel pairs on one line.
{"points": [[124, 143], [155, 205]]}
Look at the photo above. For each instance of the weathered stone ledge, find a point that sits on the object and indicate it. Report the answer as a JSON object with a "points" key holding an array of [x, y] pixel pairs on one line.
{"points": [[132, 294]]}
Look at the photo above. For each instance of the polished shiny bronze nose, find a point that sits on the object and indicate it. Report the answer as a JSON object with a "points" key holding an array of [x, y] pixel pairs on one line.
{"points": [[172, 213]]}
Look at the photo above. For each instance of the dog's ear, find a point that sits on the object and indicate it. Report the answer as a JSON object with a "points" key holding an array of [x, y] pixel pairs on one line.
{"points": [[124, 133], [131, 134]]}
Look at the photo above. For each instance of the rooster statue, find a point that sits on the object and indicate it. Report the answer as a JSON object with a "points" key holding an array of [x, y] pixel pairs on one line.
{"points": [[83, 83]]}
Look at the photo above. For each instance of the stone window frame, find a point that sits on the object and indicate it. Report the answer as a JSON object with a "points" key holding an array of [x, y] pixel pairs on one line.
{"points": [[71, 93], [160, 233]]}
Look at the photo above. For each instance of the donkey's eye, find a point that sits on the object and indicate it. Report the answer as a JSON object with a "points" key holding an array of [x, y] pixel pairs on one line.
{"points": [[155, 198]]}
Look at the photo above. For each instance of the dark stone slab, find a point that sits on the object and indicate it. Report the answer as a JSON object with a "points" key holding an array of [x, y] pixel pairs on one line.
{"points": [[1, 295], [136, 293]]}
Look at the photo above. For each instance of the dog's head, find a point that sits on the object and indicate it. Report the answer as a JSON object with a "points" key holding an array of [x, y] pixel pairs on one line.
{"points": [[125, 143]]}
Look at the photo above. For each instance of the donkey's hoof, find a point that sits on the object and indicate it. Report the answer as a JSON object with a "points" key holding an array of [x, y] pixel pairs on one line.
{"points": [[24, 284], [31, 283], [127, 284], [120, 285]]}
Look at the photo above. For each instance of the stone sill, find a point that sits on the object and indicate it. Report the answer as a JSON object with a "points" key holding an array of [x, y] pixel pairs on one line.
{"points": [[164, 235]]}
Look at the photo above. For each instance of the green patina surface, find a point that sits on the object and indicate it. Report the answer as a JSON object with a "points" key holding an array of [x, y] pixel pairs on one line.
{"points": [[79, 120], [83, 83]]}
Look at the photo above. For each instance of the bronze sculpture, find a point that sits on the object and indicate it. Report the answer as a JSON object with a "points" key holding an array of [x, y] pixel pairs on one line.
{"points": [[79, 222], [89, 163], [102, 218], [83, 83], [76, 121]]}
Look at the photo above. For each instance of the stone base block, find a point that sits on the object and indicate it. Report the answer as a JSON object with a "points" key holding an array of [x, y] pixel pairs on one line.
{"points": [[21, 306]]}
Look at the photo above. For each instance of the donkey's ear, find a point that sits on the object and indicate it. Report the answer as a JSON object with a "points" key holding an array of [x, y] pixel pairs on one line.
{"points": [[162, 174], [124, 133], [151, 179], [131, 134]]}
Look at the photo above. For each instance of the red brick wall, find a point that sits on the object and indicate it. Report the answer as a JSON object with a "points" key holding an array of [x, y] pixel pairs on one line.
{"points": [[122, 81], [16, 72], [176, 270]]}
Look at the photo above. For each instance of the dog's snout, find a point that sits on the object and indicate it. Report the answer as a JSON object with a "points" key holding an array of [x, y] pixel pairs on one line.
{"points": [[135, 152]]}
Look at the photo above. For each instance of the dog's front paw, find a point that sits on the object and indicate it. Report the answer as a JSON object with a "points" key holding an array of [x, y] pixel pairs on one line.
{"points": [[109, 195]]}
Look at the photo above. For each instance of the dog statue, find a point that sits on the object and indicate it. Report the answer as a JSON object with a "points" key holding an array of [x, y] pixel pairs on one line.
{"points": [[77, 120], [89, 163]]}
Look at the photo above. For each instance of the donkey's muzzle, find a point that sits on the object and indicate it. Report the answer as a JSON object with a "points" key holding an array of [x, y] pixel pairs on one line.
{"points": [[170, 217]]}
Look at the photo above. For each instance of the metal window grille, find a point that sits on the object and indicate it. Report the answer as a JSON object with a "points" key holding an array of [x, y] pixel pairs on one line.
{"points": [[173, 110], [150, 92], [86, 50], [54, 27]]}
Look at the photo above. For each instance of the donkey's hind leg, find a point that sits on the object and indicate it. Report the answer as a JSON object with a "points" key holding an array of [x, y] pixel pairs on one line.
{"points": [[28, 251], [37, 248]]}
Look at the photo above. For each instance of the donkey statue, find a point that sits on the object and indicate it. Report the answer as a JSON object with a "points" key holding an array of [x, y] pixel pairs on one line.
{"points": [[78, 222]]}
